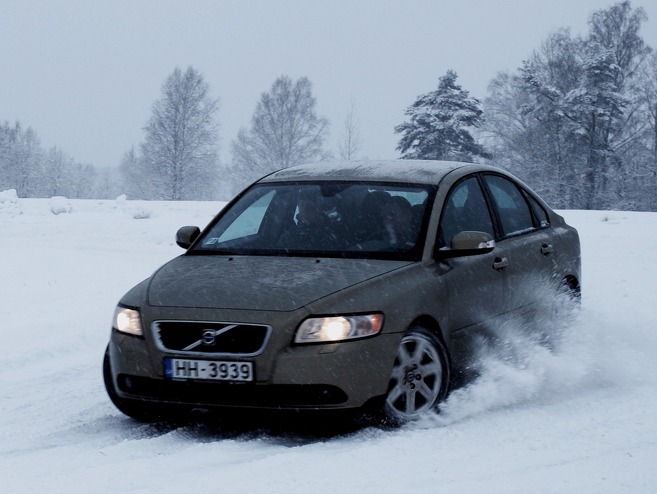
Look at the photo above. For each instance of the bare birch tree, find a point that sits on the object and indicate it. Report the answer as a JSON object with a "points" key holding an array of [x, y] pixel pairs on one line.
{"points": [[285, 130], [350, 143], [179, 156]]}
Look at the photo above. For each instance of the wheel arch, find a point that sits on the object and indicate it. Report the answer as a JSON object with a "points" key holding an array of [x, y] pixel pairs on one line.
{"points": [[429, 323], [571, 283]]}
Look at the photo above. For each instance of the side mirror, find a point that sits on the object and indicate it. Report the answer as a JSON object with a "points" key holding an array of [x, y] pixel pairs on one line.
{"points": [[468, 244], [186, 235]]}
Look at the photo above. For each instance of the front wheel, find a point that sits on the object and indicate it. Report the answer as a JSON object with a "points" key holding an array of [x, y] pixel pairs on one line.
{"points": [[420, 376]]}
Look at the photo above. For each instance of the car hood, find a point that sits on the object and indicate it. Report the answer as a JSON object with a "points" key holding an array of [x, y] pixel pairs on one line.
{"points": [[257, 282]]}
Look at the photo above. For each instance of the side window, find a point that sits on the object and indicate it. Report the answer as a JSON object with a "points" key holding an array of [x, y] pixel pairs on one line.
{"points": [[464, 210], [512, 207], [541, 215]]}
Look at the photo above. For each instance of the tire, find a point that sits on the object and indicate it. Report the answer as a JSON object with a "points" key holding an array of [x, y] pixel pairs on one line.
{"points": [[136, 409], [420, 376]]}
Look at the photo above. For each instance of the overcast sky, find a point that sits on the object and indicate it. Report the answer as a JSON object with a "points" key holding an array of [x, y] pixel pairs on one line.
{"points": [[84, 74]]}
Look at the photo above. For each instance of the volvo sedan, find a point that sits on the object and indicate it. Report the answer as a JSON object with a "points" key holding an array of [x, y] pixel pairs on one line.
{"points": [[339, 286]]}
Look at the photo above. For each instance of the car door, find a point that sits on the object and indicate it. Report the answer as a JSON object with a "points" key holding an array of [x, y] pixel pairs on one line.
{"points": [[474, 285], [524, 245]]}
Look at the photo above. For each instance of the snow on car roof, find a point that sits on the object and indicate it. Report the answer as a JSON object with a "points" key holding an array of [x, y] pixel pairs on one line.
{"points": [[413, 171]]}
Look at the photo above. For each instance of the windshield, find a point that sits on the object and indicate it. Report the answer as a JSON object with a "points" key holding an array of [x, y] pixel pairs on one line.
{"points": [[328, 219]]}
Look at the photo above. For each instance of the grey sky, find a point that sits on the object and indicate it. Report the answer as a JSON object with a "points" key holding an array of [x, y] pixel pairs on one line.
{"points": [[84, 74]]}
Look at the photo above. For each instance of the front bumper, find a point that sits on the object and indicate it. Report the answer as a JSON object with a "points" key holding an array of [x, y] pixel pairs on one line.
{"points": [[287, 376]]}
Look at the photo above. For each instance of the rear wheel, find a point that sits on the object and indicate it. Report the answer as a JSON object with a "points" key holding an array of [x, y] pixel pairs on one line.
{"points": [[420, 376], [564, 304]]}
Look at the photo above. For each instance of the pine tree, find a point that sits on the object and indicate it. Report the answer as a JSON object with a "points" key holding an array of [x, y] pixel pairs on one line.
{"points": [[439, 124]]}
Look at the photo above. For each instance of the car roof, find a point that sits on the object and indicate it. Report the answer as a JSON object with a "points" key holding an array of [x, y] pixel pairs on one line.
{"points": [[406, 171]]}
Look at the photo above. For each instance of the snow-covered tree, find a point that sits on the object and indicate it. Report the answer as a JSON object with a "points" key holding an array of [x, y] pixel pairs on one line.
{"points": [[440, 124], [642, 153], [285, 130], [33, 172], [614, 53], [574, 116], [523, 145], [58, 172], [648, 92], [6, 146], [107, 184], [135, 177], [21, 160], [350, 142], [179, 156]]}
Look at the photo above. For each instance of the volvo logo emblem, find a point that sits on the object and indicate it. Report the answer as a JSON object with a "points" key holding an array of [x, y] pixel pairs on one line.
{"points": [[208, 337]]}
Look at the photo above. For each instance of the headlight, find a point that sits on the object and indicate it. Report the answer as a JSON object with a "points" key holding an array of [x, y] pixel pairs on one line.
{"points": [[338, 328], [128, 321]]}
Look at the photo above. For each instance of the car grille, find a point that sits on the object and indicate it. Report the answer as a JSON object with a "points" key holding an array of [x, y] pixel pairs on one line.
{"points": [[211, 338]]}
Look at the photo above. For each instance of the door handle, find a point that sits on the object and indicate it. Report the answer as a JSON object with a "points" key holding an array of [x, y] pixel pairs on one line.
{"points": [[500, 263], [547, 249]]}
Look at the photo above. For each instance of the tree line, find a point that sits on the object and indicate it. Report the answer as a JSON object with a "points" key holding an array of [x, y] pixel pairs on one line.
{"points": [[37, 172], [577, 121]]}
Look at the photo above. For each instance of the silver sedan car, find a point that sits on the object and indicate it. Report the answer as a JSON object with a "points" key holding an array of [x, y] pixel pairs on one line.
{"points": [[339, 286]]}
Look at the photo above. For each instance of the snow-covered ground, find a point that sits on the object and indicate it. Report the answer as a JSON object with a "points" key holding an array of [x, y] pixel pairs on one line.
{"points": [[579, 419]]}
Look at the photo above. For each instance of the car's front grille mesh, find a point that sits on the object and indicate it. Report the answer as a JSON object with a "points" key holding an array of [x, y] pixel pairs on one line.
{"points": [[211, 337]]}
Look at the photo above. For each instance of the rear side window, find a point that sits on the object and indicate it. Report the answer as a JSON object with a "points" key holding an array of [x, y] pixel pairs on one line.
{"points": [[541, 215], [514, 212]]}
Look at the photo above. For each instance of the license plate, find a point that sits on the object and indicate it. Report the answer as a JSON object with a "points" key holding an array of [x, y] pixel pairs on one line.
{"points": [[212, 370]]}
